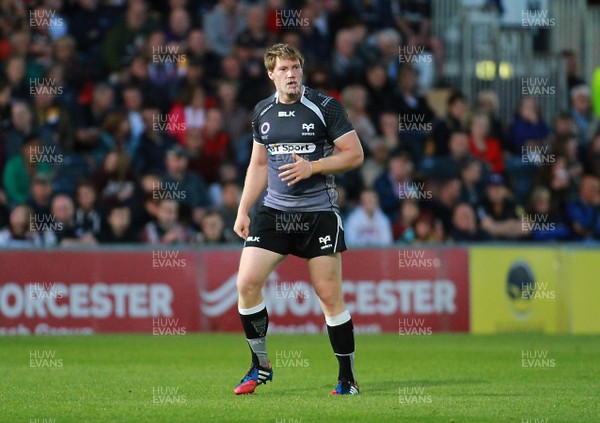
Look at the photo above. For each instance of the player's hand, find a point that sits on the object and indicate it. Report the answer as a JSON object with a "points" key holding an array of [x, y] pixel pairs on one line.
{"points": [[295, 172], [242, 225]]}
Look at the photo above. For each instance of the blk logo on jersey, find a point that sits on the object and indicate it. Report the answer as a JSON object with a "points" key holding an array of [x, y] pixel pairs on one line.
{"points": [[289, 148], [291, 113], [253, 239]]}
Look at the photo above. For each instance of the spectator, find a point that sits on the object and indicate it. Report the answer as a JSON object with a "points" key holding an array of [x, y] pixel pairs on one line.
{"points": [[583, 116], [21, 168], [41, 194], [18, 233], [345, 64], [367, 225], [450, 165], [488, 104], [390, 183], [118, 229], [592, 156], [428, 229], [216, 148], [437, 144], [482, 146], [354, 100], [223, 24], [471, 175], [21, 126], [88, 135], [413, 19], [189, 111], [583, 211], [231, 194], [542, 222], [414, 111], [132, 100], [52, 116], [154, 143], [447, 198], [404, 228], [499, 216], [87, 218], [379, 89], [184, 185], [528, 128], [213, 229], [179, 26], [123, 40], [115, 182], [165, 229], [235, 117], [376, 163], [199, 52], [64, 230], [464, 225]]}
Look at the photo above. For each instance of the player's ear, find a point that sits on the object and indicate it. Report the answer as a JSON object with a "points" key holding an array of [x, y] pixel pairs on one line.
{"points": [[270, 74]]}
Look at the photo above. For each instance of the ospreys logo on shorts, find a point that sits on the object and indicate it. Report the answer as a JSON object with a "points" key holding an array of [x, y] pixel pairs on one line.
{"points": [[289, 148], [325, 240]]}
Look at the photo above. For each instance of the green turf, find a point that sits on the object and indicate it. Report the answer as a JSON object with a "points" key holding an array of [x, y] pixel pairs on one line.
{"points": [[439, 378]]}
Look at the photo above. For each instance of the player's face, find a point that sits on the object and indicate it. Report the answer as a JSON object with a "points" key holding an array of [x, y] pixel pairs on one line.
{"points": [[287, 76]]}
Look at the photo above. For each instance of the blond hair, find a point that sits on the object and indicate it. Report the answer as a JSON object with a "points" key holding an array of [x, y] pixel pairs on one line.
{"points": [[283, 51]]}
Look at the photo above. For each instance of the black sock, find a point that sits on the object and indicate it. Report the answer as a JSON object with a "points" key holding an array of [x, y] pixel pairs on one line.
{"points": [[342, 342], [255, 326]]}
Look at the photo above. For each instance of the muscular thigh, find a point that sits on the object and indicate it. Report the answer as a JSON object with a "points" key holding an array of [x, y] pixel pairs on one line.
{"points": [[256, 264], [326, 277]]}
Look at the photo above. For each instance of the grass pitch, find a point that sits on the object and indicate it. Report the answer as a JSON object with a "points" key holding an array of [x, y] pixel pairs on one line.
{"points": [[438, 378]]}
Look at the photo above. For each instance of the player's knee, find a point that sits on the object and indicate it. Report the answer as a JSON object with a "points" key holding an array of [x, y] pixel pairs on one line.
{"points": [[248, 287], [331, 299]]}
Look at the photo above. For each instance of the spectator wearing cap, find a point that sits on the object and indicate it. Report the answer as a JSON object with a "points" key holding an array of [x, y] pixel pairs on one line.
{"points": [[190, 189], [154, 142], [367, 225], [41, 194], [500, 217], [20, 170], [583, 212], [223, 24], [482, 146]]}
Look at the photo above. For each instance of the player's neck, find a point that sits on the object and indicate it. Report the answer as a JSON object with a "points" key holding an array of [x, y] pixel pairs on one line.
{"points": [[284, 98]]}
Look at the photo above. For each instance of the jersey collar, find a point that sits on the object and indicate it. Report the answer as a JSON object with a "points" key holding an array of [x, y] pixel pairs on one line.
{"points": [[277, 93]]}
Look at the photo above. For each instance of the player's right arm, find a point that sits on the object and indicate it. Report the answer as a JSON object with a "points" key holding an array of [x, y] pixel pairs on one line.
{"points": [[255, 183]]}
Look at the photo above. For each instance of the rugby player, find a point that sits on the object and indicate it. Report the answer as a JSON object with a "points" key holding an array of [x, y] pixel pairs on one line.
{"points": [[302, 137]]}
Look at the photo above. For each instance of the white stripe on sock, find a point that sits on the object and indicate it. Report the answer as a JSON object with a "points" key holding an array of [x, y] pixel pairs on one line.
{"points": [[338, 320], [253, 310]]}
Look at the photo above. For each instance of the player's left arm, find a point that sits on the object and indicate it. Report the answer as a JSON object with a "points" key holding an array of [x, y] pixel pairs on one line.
{"points": [[347, 155]]}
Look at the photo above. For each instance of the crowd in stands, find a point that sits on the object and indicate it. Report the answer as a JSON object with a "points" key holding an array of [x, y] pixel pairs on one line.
{"points": [[129, 122]]}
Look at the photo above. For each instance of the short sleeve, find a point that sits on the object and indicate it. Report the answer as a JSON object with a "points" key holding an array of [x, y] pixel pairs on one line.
{"points": [[336, 120]]}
